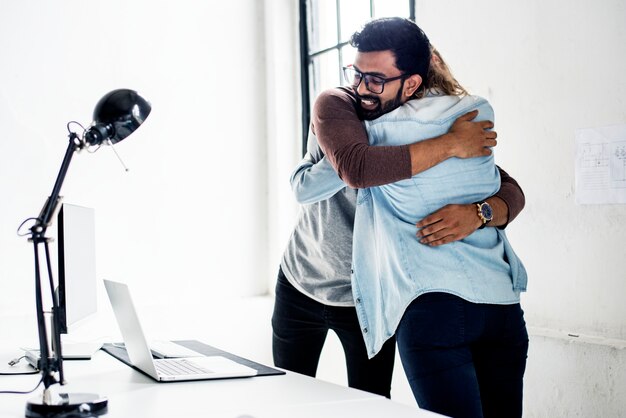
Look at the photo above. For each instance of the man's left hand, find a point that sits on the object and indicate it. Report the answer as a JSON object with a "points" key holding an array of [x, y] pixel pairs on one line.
{"points": [[448, 224]]}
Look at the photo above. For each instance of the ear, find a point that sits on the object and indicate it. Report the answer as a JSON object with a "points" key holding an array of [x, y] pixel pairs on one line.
{"points": [[411, 85]]}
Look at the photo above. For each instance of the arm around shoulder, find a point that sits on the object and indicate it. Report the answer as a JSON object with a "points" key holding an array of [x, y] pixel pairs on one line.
{"points": [[313, 182], [512, 195], [343, 138]]}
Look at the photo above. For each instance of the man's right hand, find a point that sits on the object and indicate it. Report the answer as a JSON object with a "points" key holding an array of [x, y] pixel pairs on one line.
{"points": [[472, 139]]}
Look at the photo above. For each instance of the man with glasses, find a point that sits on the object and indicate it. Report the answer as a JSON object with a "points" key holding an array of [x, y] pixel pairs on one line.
{"points": [[374, 83], [455, 309], [313, 291]]}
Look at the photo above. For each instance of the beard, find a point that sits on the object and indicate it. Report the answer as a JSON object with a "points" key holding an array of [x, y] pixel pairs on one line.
{"points": [[380, 109]]}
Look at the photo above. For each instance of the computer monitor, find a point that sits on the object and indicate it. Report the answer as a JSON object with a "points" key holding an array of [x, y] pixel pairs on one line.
{"points": [[76, 262], [76, 289]]}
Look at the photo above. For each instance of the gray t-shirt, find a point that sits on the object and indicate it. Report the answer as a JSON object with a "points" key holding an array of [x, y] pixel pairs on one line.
{"points": [[318, 257]]}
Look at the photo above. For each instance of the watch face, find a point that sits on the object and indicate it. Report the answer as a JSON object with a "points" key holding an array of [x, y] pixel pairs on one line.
{"points": [[486, 210]]}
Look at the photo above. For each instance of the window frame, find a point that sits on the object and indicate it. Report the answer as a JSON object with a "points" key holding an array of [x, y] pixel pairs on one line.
{"points": [[307, 56]]}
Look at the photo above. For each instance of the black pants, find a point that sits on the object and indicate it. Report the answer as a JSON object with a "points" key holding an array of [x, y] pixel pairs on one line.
{"points": [[464, 359], [300, 325]]}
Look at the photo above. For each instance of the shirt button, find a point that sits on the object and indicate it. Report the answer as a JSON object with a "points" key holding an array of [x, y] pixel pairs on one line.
{"points": [[358, 300], [364, 330], [351, 271]]}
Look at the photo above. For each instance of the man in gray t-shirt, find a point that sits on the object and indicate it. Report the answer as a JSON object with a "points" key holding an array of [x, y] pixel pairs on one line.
{"points": [[313, 291]]}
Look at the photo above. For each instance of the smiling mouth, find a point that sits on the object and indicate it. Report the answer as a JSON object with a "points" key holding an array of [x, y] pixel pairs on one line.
{"points": [[369, 104]]}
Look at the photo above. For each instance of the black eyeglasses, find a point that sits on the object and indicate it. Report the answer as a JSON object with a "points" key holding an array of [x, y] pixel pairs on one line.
{"points": [[373, 83]]}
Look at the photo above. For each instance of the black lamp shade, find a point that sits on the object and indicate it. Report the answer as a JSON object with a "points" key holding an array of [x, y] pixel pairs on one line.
{"points": [[116, 116]]}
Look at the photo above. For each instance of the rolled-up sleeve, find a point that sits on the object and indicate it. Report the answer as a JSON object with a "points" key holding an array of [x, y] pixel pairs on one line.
{"points": [[343, 139], [512, 194]]}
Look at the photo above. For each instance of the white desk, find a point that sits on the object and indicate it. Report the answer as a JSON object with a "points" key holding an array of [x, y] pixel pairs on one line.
{"points": [[130, 393]]}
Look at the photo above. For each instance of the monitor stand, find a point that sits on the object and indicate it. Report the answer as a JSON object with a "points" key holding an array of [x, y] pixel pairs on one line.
{"points": [[71, 351], [79, 351]]}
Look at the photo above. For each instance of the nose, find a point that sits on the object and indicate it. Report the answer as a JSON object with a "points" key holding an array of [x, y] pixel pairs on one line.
{"points": [[362, 88]]}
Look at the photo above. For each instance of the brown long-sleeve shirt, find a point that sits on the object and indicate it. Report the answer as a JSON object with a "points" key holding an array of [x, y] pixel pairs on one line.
{"points": [[343, 138]]}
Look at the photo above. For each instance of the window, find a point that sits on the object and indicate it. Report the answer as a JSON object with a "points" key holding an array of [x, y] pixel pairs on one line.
{"points": [[325, 30]]}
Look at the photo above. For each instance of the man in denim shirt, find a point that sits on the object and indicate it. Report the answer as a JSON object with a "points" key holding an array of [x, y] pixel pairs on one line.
{"points": [[455, 308]]}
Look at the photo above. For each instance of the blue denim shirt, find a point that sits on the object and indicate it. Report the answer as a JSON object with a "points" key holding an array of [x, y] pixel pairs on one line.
{"points": [[390, 266]]}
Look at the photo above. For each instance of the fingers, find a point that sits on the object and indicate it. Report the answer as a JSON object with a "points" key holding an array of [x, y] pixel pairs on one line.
{"points": [[491, 134], [434, 222], [431, 230], [429, 239], [491, 142], [468, 116], [434, 241], [434, 236], [433, 226], [438, 235], [450, 223], [425, 223], [486, 124]]}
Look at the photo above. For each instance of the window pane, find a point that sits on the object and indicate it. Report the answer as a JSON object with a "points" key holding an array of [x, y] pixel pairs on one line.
{"points": [[322, 24], [354, 14], [347, 55], [391, 8], [324, 72]]}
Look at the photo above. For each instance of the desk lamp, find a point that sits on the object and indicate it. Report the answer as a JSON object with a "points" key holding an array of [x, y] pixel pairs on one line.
{"points": [[115, 116]]}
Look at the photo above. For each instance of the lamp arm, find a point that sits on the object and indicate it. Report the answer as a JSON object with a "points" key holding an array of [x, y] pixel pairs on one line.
{"points": [[46, 365], [49, 365], [56, 326], [47, 212]]}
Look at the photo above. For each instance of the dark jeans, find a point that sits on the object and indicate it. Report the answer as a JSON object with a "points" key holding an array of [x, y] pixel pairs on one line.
{"points": [[464, 359], [300, 326]]}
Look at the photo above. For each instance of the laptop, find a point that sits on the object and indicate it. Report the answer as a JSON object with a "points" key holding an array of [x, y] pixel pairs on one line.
{"points": [[164, 370]]}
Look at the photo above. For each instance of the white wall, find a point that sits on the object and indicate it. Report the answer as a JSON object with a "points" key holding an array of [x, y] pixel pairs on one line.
{"points": [[283, 124], [549, 67], [189, 218]]}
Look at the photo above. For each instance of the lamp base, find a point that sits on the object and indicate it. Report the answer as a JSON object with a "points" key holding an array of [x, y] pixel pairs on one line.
{"points": [[70, 404]]}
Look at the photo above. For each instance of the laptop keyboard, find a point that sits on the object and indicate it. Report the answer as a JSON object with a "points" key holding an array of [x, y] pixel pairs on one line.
{"points": [[177, 367]]}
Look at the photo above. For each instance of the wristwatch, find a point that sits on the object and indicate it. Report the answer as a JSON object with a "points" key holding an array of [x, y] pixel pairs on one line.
{"points": [[485, 213]]}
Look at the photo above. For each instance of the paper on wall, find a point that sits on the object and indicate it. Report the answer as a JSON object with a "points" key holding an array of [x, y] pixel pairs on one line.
{"points": [[601, 165]]}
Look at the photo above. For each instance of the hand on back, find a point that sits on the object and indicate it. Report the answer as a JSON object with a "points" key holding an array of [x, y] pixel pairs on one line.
{"points": [[472, 139]]}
